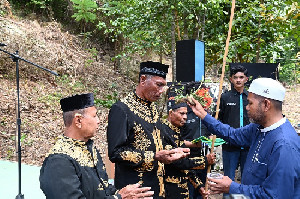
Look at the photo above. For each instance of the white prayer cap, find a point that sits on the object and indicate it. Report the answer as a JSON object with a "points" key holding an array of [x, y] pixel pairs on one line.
{"points": [[267, 87]]}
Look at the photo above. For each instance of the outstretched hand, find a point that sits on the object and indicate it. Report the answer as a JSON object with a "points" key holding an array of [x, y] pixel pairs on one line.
{"points": [[197, 108], [169, 156], [135, 191]]}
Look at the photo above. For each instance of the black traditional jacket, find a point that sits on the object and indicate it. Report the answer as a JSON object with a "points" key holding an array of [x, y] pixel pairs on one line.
{"points": [[180, 172], [74, 169], [230, 113], [134, 135]]}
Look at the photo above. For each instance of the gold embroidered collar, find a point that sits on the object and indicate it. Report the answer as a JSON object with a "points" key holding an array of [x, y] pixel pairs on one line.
{"points": [[171, 126], [142, 108], [76, 149]]}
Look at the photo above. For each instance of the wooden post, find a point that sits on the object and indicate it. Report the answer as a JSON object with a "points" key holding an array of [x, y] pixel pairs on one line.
{"points": [[221, 83]]}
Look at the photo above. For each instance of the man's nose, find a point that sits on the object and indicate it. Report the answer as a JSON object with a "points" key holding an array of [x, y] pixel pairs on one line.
{"points": [[161, 90]]}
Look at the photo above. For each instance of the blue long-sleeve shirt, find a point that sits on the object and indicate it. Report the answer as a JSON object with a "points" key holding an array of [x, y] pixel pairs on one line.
{"points": [[272, 168]]}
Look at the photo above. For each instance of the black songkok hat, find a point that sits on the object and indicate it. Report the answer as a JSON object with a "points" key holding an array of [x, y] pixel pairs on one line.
{"points": [[173, 105], [154, 68], [77, 102]]}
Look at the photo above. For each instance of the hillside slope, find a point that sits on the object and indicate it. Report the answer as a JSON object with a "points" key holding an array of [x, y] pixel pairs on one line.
{"points": [[80, 70]]}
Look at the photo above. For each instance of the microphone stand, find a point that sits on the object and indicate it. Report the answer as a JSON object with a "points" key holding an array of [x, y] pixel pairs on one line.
{"points": [[15, 57]]}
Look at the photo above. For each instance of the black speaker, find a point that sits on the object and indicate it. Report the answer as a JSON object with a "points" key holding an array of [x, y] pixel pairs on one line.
{"points": [[256, 70], [190, 60]]}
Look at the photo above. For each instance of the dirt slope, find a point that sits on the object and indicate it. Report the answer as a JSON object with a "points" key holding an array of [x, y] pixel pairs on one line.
{"points": [[80, 70]]}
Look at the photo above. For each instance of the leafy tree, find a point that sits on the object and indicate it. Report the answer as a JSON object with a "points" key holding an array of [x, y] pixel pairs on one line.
{"points": [[85, 10], [263, 30]]}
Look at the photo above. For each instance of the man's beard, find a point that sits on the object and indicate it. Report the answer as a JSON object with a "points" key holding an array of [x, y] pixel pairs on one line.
{"points": [[258, 117]]}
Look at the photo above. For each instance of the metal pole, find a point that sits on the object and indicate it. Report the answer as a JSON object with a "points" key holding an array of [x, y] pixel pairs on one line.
{"points": [[15, 57], [20, 195]]}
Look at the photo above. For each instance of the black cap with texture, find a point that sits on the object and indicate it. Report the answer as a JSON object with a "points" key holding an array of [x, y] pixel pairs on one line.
{"points": [[173, 105], [154, 68], [77, 102]]}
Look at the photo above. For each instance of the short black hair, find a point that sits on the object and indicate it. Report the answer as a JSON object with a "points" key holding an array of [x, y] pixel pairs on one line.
{"points": [[147, 76], [277, 104], [238, 68], [68, 116]]}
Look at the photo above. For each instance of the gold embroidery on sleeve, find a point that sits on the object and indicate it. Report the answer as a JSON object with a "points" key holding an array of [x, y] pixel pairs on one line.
{"points": [[148, 162], [200, 161], [131, 156], [173, 179], [141, 142], [168, 147]]}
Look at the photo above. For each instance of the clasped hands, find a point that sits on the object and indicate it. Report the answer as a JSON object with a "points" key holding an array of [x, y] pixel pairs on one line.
{"points": [[169, 156]]}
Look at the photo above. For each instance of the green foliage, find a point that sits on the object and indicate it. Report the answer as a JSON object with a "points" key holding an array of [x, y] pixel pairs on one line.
{"points": [[2, 12], [23, 137], [63, 80], [264, 31], [48, 9], [108, 101], [10, 154], [3, 121], [85, 10], [290, 73], [93, 56], [40, 4], [259, 27], [51, 98], [144, 25]]}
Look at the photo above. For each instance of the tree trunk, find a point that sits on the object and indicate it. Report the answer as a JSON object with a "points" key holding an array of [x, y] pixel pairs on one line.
{"points": [[161, 53], [177, 25], [203, 25], [173, 46], [258, 39], [258, 48], [185, 27]]}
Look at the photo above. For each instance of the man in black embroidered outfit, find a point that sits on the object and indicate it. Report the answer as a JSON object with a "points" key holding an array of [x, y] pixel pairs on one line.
{"points": [[179, 173], [193, 129], [134, 133], [74, 168]]}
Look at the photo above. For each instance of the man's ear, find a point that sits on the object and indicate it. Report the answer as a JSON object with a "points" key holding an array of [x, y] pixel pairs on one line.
{"points": [[77, 120], [267, 104], [143, 79]]}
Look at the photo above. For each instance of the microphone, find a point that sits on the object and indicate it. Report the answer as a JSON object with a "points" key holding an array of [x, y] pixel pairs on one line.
{"points": [[2, 44]]}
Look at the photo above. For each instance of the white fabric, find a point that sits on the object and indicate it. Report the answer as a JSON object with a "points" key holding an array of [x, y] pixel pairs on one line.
{"points": [[268, 88], [274, 126]]}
